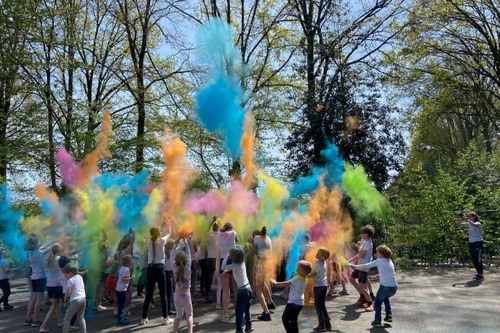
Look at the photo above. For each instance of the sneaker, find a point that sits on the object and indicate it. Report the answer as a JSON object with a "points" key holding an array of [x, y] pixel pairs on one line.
{"points": [[388, 318], [74, 328], [284, 296], [60, 324], [377, 324], [264, 317], [230, 306], [224, 319], [344, 292], [167, 321], [248, 330], [319, 328], [479, 278], [271, 306], [44, 330], [8, 307], [27, 322], [218, 306], [144, 321], [123, 322], [370, 308], [372, 296], [36, 323]]}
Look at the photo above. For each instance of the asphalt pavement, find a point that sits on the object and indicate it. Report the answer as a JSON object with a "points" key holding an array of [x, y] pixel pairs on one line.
{"points": [[428, 300]]}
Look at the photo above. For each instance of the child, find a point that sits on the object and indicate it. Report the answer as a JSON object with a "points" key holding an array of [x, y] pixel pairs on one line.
{"points": [[295, 296], [122, 283], [364, 256], [182, 278], [4, 281], [388, 284], [319, 275], [36, 258], [75, 292], [54, 287], [244, 295]]}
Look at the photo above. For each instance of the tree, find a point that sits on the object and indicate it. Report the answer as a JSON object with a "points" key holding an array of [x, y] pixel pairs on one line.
{"points": [[15, 23], [448, 55], [338, 45]]}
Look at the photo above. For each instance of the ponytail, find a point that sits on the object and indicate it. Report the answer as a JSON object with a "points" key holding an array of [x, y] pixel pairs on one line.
{"points": [[55, 249], [180, 262]]}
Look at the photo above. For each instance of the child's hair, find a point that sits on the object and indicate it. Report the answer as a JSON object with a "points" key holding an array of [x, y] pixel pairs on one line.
{"points": [[126, 260], [63, 261], [385, 251], [70, 269], [237, 254], [475, 217], [305, 266], [31, 243], [324, 252], [255, 233], [180, 261], [263, 231], [215, 225], [55, 249], [368, 229], [228, 226]]}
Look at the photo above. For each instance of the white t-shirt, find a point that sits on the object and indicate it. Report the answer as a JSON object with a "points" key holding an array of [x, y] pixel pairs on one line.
{"points": [[64, 281], [159, 250], [263, 245], [386, 271], [474, 232], [4, 267], [320, 279], [54, 273], [124, 272], [366, 245], [211, 243], [226, 241], [239, 272], [296, 293], [37, 262], [169, 262], [77, 288]]}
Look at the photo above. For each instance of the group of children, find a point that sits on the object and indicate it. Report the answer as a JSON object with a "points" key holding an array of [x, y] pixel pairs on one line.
{"points": [[53, 271]]}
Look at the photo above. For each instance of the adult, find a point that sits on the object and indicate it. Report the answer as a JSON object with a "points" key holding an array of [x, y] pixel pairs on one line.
{"points": [[209, 267], [156, 274], [473, 226]]}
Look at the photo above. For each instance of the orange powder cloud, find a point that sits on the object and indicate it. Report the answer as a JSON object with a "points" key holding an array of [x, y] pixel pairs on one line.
{"points": [[248, 146]]}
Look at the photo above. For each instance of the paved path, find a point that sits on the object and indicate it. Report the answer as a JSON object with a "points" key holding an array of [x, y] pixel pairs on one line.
{"points": [[444, 300]]}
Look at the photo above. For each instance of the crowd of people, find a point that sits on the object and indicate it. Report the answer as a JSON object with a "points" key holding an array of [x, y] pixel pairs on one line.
{"points": [[228, 272]]}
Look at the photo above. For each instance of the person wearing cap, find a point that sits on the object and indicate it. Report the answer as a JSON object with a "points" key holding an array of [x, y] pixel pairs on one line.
{"points": [[473, 226]]}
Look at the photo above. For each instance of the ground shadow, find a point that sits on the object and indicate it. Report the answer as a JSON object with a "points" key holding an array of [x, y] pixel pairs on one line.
{"points": [[351, 312]]}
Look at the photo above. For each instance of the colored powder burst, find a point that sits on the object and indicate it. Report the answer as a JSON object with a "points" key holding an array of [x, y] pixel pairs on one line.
{"points": [[366, 201], [269, 213], [242, 200], [219, 104], [331, 172], [211, 202], [248, 145], [133, 198], [178, 171], [71, 171], [10, 233]]}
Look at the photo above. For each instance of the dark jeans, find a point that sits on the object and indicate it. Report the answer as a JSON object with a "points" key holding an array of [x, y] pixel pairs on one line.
{"points": [[156, 274], [243, 298], [5, 285], [476, 252], [169, 282], [383, 295], [290, 317], [320, 303], [121, 297], [208, 276]]}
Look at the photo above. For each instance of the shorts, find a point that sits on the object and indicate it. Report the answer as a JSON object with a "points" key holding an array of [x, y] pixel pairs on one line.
{"points": [[361, 276], [55, 292], [111, 283], [39, 285]]}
